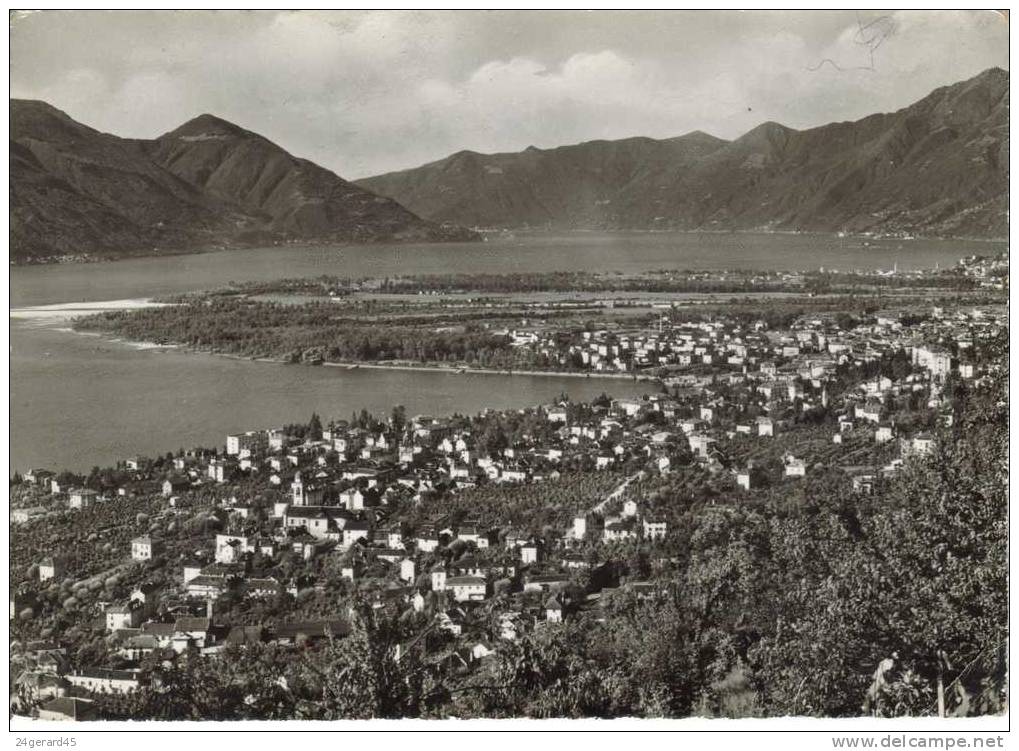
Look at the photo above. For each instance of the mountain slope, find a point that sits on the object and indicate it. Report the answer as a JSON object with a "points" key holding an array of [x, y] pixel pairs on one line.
{"points": [[938, 167], [294, 197], [76, 191], [570, 185]]}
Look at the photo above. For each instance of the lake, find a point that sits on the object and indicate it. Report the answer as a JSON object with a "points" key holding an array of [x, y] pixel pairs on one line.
{"points": [[79, 401], [579, 251]]}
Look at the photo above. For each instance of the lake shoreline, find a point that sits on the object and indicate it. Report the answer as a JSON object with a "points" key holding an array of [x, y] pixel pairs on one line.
{"points": [[62, 312], [355, 365], [78, 401], [464, 370], [626, 253], [485, 236], [66, 311], [109, 400]]}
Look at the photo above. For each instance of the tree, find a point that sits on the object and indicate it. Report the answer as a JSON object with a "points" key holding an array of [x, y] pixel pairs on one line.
{"points": [[236, 685], [315, 427], [911, 605], [359, 677]]}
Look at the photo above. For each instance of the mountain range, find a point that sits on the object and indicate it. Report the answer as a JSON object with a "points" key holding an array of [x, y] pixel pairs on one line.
{"points": [[75, 191], [938, 167]]}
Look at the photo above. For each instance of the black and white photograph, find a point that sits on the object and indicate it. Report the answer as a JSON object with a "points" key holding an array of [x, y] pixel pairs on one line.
{"points": [[510, 370]]}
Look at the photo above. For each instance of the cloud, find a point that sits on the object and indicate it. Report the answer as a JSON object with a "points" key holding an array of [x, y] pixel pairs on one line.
{"points": [[366, 92]]}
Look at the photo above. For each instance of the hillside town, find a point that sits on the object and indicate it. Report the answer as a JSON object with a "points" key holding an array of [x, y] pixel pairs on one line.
{"points": [[652, 326], [480, 529], [510, 370], [816, 344]]}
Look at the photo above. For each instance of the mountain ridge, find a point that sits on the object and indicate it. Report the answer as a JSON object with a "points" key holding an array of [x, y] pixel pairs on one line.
{"points": [[936, 167], [209, 183]]}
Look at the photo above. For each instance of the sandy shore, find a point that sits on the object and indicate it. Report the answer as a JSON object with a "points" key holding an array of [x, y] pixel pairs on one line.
{"points": [[68, 310], [63, 312]]}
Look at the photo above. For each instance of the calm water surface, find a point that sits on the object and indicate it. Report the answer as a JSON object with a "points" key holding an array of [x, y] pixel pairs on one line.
{"points": [[79, 401], [625, 252]]}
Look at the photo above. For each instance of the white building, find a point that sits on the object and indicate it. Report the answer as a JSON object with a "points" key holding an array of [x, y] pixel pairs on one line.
{"points": [[654, 529], [408, 570], [51, 568], [743, 479], [529, 553], [935, 359], [884, 433], [922, 444], [795, 468], [700, 444], [105, 681], [439, 579], [467, 588], [82, 498], [144, 548], [241, 443], [128, 615]]}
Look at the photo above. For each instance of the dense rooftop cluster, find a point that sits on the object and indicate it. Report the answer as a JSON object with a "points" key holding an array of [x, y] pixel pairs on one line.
{"points": [[472, 534]]}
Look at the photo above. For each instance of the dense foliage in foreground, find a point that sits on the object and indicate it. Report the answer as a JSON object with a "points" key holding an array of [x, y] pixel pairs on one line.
{"points": [[838, 605]]}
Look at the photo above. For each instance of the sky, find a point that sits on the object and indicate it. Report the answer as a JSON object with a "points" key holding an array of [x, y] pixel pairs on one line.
{"points": [[363, 93]]}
